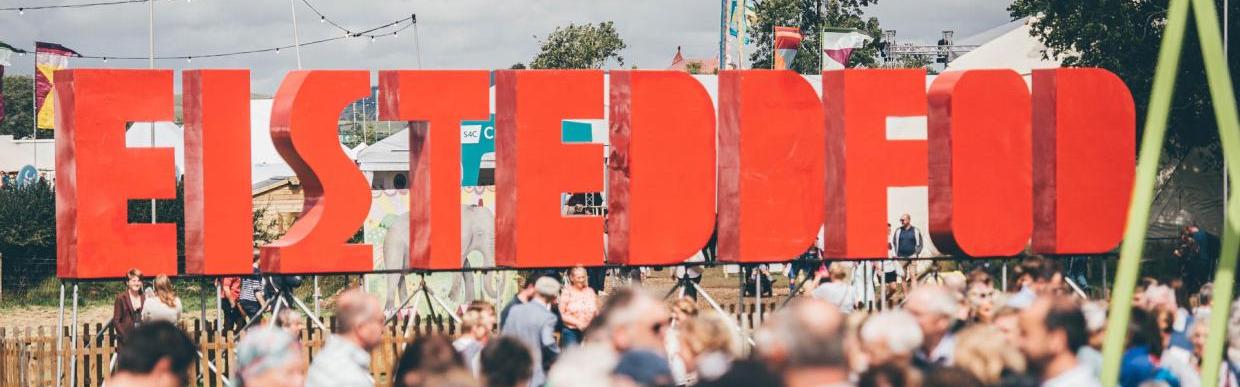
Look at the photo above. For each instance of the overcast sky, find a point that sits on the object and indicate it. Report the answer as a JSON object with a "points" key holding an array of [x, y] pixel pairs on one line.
{"points": [[457, 34]]}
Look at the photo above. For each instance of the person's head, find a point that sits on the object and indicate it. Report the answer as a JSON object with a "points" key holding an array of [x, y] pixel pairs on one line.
{"points": [[985, 352], [484, 309], [905, 220], [635, 320], [133, 280], [359, 318], [935, 308], [577, 277], [684, 308], [1144, 331], [269, 357], [163, 290], [706, 333], [890, 337], [158, 353], [889, 375], [547, 289], [506, 362], [838, 272], [1040, 274], [425, 357], [1205, 295], [643, 368], [474, 325], [807, 334], [291, 321], [952, 377], [1051, 328], [1095, 322], [1007, 320], [1197, 336]]}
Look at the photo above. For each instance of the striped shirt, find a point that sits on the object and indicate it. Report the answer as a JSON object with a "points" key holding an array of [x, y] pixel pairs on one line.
{"points": [[249, 287]]}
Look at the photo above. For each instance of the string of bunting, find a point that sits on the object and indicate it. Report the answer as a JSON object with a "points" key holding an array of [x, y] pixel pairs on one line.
{"points": [[407, 22], [369, 33], [22, 10]]}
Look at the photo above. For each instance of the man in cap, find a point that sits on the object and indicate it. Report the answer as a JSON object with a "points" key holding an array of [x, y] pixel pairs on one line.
{"points": [[534, 324]]}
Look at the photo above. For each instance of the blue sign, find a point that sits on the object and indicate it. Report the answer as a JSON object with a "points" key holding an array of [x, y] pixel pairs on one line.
{"points": [[27, 175], [478, 139]]}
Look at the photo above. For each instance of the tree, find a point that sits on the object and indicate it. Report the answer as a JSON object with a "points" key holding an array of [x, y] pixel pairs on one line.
{"points": [[917, 62], [694, 67], [518, 66], [1124, 37], [806, 15], [584, 46], [18, 116]]}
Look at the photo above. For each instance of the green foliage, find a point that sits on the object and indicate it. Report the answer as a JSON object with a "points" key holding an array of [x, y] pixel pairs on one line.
{"points": [[518, 66], [28, 221], [805, 14], [694, 67], [18, 115], [1124, 37], [917, 62], [585, 46]]}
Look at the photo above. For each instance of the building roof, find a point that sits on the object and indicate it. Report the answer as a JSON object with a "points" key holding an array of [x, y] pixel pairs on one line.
{"points": [[680, 63]]}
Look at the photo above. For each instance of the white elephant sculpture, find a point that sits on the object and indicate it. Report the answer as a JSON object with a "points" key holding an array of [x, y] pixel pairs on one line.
{"points": [[477, 234]]}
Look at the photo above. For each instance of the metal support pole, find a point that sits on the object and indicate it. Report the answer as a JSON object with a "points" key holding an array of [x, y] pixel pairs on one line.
{"points": [[74, 340], [202, 301], [882, 289], [1005, 276], [60, 338], [219, 307], [757, 296], [317, 295], [296, 34], [151, 59], [417, 40]]}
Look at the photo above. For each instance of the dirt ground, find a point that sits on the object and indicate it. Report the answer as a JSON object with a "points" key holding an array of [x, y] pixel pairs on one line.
{"points": [[723, 290]]}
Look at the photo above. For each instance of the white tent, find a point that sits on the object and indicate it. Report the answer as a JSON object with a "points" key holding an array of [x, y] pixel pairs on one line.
{"points": [[1009, 46], [15, 154]]}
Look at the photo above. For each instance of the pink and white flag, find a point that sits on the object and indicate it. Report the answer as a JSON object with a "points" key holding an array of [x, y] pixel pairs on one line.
{"points": [[837, 46]]}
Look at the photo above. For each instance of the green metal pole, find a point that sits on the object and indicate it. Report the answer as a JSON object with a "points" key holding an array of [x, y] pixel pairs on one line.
{"points": [[1129, 264], [1224, 102]]}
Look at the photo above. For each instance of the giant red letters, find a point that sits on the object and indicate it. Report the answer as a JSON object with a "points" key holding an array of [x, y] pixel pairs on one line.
{"points": [[1083, 141], [337, 197], [219, 231], [770, 166], [534, 167], [1054, 166], [861, 162], [662, 146], [96, 174], [435, 102], [981, 184]]}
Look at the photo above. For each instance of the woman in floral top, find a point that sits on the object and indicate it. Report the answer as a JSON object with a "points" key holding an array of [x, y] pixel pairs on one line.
{"points": [[578, 306]]}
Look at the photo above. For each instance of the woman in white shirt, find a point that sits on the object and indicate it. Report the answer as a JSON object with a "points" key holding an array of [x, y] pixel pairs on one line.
{"points": [[165, 306]]}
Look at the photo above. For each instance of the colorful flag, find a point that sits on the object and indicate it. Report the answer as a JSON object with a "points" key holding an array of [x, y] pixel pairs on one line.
{"points": [[49, 57], [837, 46], [787, 40], [6, 51], [737, 20]]}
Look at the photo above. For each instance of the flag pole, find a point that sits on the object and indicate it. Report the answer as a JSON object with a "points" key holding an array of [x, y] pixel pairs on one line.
{"points": [[150, 25], [296, 35], [34, 109], [740, 36], [723, 34]]}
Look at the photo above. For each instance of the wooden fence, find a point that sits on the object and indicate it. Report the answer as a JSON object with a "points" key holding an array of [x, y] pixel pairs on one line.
{"points": [[28, 355]]}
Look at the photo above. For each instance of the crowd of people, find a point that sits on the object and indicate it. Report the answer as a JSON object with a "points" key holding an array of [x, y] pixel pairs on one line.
{"points": [[961, 331]]}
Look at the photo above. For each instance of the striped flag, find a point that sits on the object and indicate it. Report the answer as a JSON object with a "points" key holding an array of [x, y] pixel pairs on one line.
{"points": [[6, 51], [837, 46], [48, 58], [787, 40]]}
